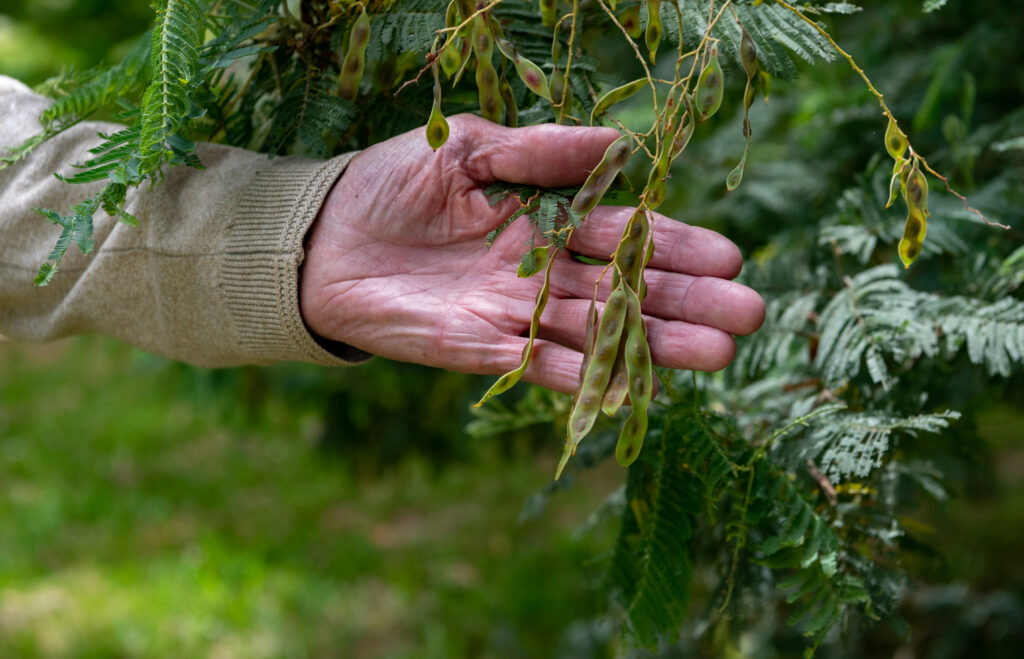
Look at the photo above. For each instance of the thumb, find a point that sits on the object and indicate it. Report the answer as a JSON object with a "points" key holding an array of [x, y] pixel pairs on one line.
{"points": [[547, 155]]}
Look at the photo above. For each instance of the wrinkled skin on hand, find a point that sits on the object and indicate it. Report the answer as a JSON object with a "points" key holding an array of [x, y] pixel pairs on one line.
{"points": [[396, 262]]}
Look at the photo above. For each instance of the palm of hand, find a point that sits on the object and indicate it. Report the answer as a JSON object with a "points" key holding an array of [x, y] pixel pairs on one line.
{"points": [[396, 263]]}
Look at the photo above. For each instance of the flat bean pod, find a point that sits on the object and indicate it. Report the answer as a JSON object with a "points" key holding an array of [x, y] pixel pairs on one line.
{"points": [[916, 196], [511, 109], [652, 36], [630, 21], [615, 158], [355, 58], [618, 386], [486, 76], [710, 87], [895, 142], [614, 96], [595, 380], [641, 383], [548, 13]]}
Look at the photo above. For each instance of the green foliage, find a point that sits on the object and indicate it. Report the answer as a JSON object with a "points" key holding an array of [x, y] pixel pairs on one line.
{"points": [[778, 485]]}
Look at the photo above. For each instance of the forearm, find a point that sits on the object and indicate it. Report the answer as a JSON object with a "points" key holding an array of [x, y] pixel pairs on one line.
{"points": [[210, 275]]}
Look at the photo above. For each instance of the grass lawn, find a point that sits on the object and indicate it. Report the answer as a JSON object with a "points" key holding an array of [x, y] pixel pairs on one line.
{"points": [[145, 511]]}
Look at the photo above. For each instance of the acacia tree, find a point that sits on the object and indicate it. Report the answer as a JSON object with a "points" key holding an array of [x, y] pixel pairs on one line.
{"points": [[786, 476]]}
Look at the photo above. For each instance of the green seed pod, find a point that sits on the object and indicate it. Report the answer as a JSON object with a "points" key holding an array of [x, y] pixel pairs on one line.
{"points": [[556, 46], [548, 12], [748, 54], [736, 175], [615, 158], [683, 135], [505, 47], [654, 28], [556, 87], [437, 128], [641, 383], [618, 384], [507, 381], [629, 257], [533, 78], [615, 96], [588, 341], [916, 192], [486, 76], [897, 183], [483, 40], [511, 109], [913, 236], [895, 141], [355, 58], [451, 58], [451, 15], [710, 87], [595, 380], [630, 21]]}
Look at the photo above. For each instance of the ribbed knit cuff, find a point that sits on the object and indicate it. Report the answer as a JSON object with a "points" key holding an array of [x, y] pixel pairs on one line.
{"points": [[260, 276]]}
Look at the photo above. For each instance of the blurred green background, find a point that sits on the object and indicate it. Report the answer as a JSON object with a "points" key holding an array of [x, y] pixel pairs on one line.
{"points": [[149, 509]]}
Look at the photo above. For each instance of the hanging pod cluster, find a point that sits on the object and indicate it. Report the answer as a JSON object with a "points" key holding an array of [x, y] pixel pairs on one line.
{"points": [[907, 180], [469, 31]]}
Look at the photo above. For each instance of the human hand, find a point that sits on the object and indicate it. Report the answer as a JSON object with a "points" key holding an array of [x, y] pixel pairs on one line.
{"points": [[396, 263]]}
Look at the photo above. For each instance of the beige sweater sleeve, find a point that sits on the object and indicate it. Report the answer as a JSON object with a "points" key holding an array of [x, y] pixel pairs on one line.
{"points": [[210, 275]]}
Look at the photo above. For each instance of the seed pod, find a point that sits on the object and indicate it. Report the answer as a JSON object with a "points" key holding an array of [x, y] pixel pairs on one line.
{"points": [[618, 385], [451, 57], [917, 189], [556, 46], [355, 58], [507, 381], [615, 96], [748, 54], [629, 257], [437, 128], [895, 141], [486, 76], [615, 158], [913, 236], [916, 196], [641, 383], [897, 183], [533, 78], [511, 109], [556, 87], [736, 175], [683, 135], [595, 380], [710, 87], [548, 12], [654, 28], [451, 15], [588, 340], [630, 21]]}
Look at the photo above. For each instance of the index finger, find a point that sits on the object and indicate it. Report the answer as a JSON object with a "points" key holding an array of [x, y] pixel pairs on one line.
{"points": [[678, 247]]}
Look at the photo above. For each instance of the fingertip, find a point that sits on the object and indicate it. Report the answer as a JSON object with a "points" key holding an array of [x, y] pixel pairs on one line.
{"points": [[750, 319]]}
